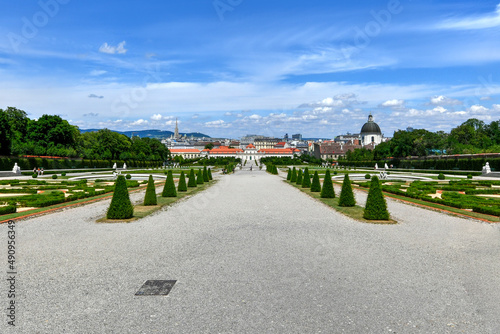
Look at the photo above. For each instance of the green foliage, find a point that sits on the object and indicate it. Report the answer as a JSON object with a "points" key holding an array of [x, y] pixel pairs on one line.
{"points": [[335, 172], [327, 191], [199, 179], [8, 209], [306, 180], [368, 176], [192, 179], [293, 178], [376, 207], [169, 188], [299, 177], [34, 175], [346, 198], [205, 174], [63, 174], [150, 197], [289, 175], [441, 176], [315, 185], [182, 187], [128, 176], [469, 176], [54, 176], [121, 207], [210, 174]]}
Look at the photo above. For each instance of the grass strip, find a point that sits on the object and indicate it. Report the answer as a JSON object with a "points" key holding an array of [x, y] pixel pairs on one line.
{"points": [[355, 212]]}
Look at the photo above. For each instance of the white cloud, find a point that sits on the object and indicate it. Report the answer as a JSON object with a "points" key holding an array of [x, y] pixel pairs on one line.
{"points": [[157, 117], [444, 101], [255, 117], [109, 49], [217, 124], [393, 104], [478, 110], [474, 22], [139, 122]]}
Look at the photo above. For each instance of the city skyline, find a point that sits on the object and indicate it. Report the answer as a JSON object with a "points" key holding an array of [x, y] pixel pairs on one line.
{"points": [[231, 68]]}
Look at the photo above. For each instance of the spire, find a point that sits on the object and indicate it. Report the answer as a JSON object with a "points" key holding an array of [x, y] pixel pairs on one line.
{"points": [[176, 134], [370, 118]]}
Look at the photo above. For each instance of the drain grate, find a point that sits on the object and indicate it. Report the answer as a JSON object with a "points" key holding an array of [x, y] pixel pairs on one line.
{"points": [[155, 288]]}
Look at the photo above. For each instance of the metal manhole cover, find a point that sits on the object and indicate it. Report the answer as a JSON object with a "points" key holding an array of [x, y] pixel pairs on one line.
{"points": [[155, 288]]}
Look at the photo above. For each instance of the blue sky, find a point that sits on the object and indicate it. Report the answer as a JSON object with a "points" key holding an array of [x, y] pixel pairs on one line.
{"points": [[232, 67]]}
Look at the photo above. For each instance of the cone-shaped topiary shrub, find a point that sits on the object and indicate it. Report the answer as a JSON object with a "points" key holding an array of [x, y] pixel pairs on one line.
{"points": [[205, 174], [192, 179], [327, 191], [182, 187], [169, 188], [121, 207], [294, 175], [315, 185], [346, 195], [306, 180], [376, 207], [199, 179], [299, 177], [210, 174], [289, 175], [150, 197]]}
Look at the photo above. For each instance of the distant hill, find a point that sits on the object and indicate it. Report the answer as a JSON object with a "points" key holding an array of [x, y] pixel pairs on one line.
{"points": [[159, 134]]}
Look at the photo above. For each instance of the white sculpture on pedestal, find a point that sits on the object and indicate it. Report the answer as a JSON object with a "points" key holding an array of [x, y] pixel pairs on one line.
{"points": [[376, 166], [487, 168], [124, 166], [16, 169], [386, 167], [114, 166]]}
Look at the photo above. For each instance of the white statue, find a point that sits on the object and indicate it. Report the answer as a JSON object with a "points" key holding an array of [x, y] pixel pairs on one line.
{"points": [[16, 169], [114, 166], [386, 167], [487, 168], [124, 166], [376, 166]]}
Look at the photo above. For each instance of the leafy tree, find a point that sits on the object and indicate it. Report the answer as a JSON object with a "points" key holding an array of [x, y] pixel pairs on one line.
{"points": [[121, 207], [346, 195], [192, 179], [169, 188], [299, 177], [376, 207], [209, 146], [150, 197], [327, 191], [182, 187], [5, 134], [316, 185], [306, 180]]}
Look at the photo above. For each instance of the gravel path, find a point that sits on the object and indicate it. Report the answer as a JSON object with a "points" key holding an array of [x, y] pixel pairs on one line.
{"points": [[254, 255]]}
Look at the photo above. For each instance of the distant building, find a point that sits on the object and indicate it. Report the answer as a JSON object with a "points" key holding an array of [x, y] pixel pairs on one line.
{"points": [[265, 143], [370, 133], [297, 136]]}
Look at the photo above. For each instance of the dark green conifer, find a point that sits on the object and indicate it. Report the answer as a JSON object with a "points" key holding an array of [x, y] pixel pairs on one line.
{"points": [[169, 188], [289, 175], [346, 195], [121, 207], [306, 180], [327, 191], [294, 175], [192, 179], [182, 187], [376, 207], [150, 197], [210, 174], [316, 185], [299, 177], [199, 179], [205, 174]]}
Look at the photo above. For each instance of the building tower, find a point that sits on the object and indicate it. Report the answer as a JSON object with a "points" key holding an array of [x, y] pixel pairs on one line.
{"points": [[370, 133], [176, 133]]}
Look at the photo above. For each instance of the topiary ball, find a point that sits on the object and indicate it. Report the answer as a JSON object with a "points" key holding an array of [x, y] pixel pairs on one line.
{"points": [[128, 176], [54, 176], [368, 176]]}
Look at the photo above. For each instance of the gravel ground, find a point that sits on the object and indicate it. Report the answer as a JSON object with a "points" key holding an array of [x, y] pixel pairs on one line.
{"points": [[255, 255]]}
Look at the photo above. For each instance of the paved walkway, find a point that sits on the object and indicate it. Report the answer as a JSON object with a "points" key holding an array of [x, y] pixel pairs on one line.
{"points": [[254, 255]]}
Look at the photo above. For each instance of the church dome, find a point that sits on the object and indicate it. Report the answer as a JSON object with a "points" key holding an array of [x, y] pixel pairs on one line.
{"points": [[370, 126]]}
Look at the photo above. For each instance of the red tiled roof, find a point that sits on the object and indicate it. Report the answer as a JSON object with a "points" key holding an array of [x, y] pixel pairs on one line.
{"points": [[187, 150], [251, 146]]}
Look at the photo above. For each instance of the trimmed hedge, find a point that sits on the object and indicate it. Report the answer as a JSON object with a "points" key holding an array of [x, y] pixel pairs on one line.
{"points": [[376, 207], [289, 174], [8, 209], [315, 185], [346, 198], [293, 178], [192, 179], [327, 191], [205, 174], [299, 177], [150, 197], [121, 207], [199, 179], [306, 180], [182, 187], [210, 174], [169, 188]]}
